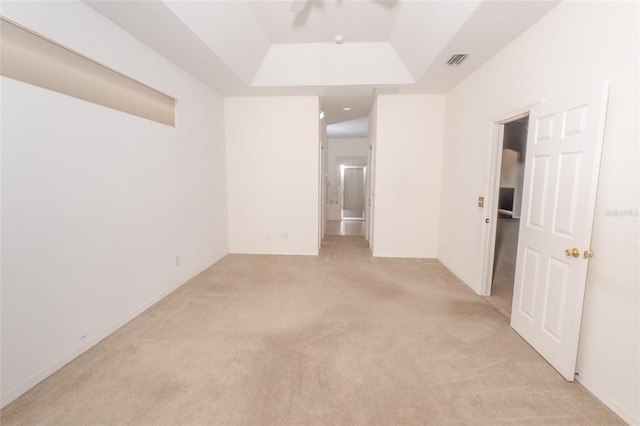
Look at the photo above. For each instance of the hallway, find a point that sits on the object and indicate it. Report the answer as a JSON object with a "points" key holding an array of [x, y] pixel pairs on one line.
{"points": [[341, 338], [346, 227]]}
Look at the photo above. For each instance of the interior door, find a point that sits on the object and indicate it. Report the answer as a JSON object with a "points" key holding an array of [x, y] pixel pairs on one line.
{"points": [[560, 182]]}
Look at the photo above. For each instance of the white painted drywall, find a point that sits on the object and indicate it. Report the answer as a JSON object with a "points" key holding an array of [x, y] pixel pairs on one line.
{"points": [[373, 132], [409, 134], [341, 149], [273, 174], [330, 64], [96, 203], [576, 45], [218, 22], [322, 179]]}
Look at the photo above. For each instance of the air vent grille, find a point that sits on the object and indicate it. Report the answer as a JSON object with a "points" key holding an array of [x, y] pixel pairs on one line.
{"points": [[457, 58]]}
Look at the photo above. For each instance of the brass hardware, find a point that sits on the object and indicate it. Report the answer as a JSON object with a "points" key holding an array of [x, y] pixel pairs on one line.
{"points": [[486, 220], [572, 252], [588, 254]]}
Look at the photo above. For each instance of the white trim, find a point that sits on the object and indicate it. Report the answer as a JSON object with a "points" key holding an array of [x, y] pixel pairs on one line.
{"points": [[608, 401], [39, 377]]}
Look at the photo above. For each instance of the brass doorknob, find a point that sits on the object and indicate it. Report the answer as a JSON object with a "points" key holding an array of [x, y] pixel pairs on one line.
{"points": [[572, 252]]}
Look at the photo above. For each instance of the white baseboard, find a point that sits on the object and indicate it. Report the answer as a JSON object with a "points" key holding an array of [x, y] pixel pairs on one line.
{"points": [[608, 401], [37, 378]]}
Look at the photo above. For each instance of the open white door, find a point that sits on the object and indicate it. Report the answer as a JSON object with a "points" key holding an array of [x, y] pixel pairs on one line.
{"points": [[561, 178]]}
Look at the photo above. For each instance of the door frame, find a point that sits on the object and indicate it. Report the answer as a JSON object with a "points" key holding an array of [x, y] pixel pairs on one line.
{"points": [[343, 167], [494, 163]]}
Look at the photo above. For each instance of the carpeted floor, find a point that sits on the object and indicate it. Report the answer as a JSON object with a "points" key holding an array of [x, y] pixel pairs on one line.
{"points": [[339, 339]]}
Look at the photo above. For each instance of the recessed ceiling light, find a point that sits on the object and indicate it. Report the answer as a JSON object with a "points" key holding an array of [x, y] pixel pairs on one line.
{"points": [[339, 38], [346, 109]]}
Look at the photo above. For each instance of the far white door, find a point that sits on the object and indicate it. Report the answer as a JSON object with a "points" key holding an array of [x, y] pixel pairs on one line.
{"points": [[561, 177]]}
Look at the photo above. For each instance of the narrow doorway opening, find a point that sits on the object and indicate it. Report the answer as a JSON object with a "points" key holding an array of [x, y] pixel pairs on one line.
{"points": [[512, 150], [353, 191], [347, 183]]}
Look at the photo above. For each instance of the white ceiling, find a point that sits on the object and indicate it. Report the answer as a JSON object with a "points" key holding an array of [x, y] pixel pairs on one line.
{"points": [[256, 48], [359, 21]]}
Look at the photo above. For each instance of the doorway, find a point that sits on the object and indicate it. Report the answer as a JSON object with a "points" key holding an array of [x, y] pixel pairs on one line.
{"points": [[508, 192], [558, 207], [353, 180], [514, 145]]}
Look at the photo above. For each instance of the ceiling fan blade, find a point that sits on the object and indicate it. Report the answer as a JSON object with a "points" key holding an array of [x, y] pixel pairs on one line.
{"points": [[297, 6]]}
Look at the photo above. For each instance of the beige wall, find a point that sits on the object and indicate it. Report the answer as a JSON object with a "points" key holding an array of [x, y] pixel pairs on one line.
{"points": [[97, 204], [408, 165], [576, 45], [273, 175]]}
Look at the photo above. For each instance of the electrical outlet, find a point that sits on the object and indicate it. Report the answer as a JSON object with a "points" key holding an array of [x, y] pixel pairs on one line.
{"points": [[177, 260]]}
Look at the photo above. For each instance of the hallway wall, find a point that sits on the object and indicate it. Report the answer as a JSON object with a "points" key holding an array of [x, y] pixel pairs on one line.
{"points": [[273, 160], [576, 45], [408, 131], [98, 204]]}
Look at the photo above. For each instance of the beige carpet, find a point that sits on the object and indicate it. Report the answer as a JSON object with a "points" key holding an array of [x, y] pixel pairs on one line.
{"points": [[339, 339]]}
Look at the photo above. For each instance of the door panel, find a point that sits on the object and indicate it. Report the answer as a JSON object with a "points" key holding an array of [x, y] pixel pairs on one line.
{"points": [[561, 177], [555, 297], [538, 189], [530, 272], [567, 194]]}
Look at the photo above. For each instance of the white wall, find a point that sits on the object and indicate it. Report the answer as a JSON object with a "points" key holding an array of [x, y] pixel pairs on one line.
{"points": [[409, 132], [576, 45], [340, 148], [322, 179], [96, 203], [273, 174], [373, 132]]}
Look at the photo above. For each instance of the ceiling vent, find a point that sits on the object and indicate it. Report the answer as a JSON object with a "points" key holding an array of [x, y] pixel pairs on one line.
{"points": [[457, 58]]}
